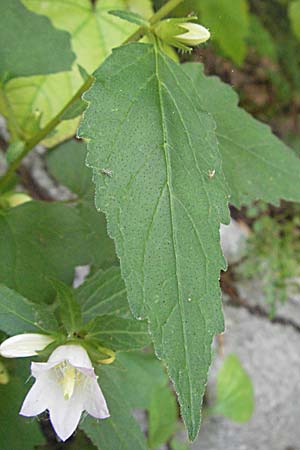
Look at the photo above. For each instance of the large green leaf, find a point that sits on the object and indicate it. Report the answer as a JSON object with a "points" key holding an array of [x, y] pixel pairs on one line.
{"points": [[294, 15], [67, 164], [17, 433], [118, 333], [18, 315], [257, 165], [120, 431], [94, 33], [235, 396], [164, 199], [30, 45], [39, 241], [103, 293]]}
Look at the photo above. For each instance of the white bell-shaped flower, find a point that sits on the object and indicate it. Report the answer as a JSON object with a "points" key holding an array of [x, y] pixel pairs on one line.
{"points": [[24, 345], [66, 386]]}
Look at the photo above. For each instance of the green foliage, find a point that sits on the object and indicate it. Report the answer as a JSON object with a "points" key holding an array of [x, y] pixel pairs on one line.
{"points": [[67, 164], [162, 417], [273, 251], [256, 164], [235, 397], [120, 431], [40, 241], [135, 367], [227, 22], [17, 433], [162, 206], [69, 308], [103, 293], [30, 45], [261, 39], [94, 32], [294, 15], [118, 333], [18, 315]]}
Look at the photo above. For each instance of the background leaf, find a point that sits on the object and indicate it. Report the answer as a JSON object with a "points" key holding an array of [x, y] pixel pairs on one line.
{"points": [[103, 293], [118, 333], [257, 165], [30, 45], [17, 433], [69, 308], [294, 14], [227, 21], [40, 241], [235, 397], [67, 164], [120, 431], [139, 374], [162, 416], [94, 32], [18, 315], [162, 205]]}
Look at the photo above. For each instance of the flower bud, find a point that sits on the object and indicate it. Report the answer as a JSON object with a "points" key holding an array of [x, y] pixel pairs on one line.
{"points": [[181, 33], [24, 345]]}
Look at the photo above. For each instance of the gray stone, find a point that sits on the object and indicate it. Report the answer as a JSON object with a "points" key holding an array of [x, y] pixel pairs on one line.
{"points": [[270, 354], [233, 240]]}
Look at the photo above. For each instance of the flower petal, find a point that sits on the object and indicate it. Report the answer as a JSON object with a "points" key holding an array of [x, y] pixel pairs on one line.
{"points": [[36, 400], [75, 354], [24, 345], [65, 416], [94, 401]]}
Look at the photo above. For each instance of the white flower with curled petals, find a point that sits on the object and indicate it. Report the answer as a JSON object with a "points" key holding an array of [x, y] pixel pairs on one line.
{"points": [[66, 386]]}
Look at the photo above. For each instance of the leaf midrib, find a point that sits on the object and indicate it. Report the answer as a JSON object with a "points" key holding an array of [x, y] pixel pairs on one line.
{"points": [[172, 219]]}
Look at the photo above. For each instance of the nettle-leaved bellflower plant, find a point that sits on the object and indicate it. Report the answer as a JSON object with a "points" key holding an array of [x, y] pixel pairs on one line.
{"points": [[66, 385], [181, 33]]}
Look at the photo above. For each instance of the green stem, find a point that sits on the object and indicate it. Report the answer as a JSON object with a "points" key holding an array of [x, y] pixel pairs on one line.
{"points": [[164, 11], [38, 137], [160, 14]]}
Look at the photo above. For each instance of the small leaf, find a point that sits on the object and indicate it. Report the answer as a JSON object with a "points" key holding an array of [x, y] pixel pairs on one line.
{"points": [[162, 206], [120, 431], [17, 433], [69, 308], [235, 397], [14, 150], [18, 315], [103, 293], [129, 16], [294, 15], [163, 416], [30, 45], [118, 334], [257, 165]]}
